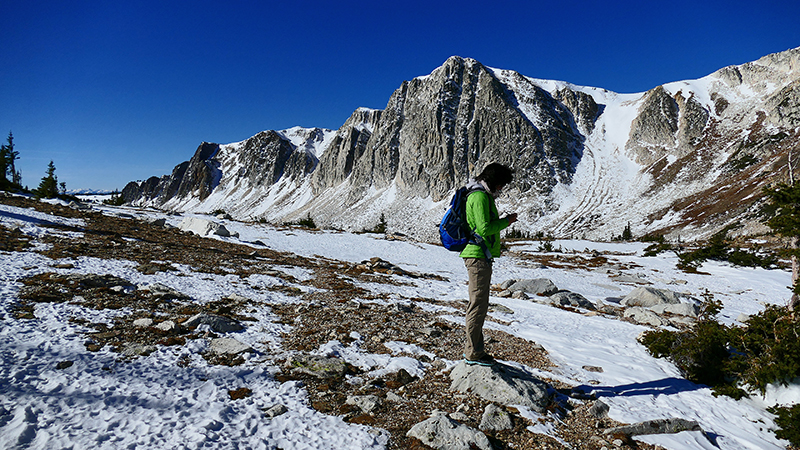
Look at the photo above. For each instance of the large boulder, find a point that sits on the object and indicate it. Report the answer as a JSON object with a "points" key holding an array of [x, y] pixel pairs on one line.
{"points": [[217, 323], [502, 384], [567, 298], [444, 433], [647, 297]]}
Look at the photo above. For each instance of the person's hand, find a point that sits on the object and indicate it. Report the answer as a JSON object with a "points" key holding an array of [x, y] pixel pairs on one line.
{"points": [[511, 218]]}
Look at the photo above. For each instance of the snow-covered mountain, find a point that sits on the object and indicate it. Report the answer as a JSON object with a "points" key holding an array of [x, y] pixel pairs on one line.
{"points": [[685, 158]]}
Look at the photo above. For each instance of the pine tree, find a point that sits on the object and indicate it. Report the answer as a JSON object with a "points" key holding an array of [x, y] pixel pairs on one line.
{"points": [[48, 188], [786, 222], [7, 157]]}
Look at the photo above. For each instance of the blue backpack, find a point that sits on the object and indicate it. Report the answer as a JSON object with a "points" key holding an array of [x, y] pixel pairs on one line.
{"points": [[454, 231]]}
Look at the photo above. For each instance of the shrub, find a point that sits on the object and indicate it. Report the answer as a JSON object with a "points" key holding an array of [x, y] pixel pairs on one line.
{"points": [[765, 351], [789, 422], [115, 200]]}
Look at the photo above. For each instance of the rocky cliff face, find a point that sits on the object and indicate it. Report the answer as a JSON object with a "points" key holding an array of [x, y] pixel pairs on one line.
{"points": [[688, 155]]}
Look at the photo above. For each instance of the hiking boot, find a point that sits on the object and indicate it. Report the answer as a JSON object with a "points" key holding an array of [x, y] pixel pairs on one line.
{"points": [[485, 360]]}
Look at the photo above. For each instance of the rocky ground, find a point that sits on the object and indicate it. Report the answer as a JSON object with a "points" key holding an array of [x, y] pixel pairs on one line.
{"points": [[320, 315]]}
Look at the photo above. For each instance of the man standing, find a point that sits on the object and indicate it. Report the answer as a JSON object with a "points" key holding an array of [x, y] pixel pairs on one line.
{"points": [[483, 219]]}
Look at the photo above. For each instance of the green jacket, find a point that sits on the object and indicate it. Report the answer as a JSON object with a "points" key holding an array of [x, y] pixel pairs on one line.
{"points": [[482, 216]]}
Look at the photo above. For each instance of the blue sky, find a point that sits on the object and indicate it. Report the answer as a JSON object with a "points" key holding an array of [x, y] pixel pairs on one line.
{"points": [[120, 91]]}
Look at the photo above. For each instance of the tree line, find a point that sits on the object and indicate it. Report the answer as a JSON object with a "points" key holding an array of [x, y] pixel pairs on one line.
{"points": [[11, 177]]}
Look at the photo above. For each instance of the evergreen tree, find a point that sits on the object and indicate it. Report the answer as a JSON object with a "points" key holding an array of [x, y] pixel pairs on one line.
{"points": [[7, 157], [48, 188], [786, 222]]}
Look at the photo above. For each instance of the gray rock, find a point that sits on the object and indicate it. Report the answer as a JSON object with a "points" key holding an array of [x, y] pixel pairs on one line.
{"points": [[168, 326], [444, 433], [501, 384], [537, 286], [367, 403], [680, 309], [566, 298], [742, 318], [132, 350], [647, 297], [161, 291], [599, 409], [318, 366], [506, 284], [220, 324], [644, 316], [228, 346], [275, 411], [659, 426], [495, 418], [143, 322]]}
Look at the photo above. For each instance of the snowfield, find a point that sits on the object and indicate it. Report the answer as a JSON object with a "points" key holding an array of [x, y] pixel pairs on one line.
{"points": [[152, 402]]}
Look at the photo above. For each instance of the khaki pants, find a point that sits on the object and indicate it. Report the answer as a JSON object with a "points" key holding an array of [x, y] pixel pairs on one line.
{"points": [[480, 278]]}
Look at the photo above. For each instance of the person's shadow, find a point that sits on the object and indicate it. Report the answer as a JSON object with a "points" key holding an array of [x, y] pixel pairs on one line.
{"points": [[665, 386]]}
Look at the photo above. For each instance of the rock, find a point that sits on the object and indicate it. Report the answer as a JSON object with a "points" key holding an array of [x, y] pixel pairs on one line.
{"points": [[635, 279], [644, 316], [220, 324], [392, 397], [495, 419], [501, 384], [228, 346], [567, 298], [204, 227], [64, 365], [168, 326], [92, 280], [680, 309], [158, 222], [459, 416], [367, 403], [318, 366], [163, 292], [537, 286], [599, 409], [444, 433], [742, 318], [143, 322], [275, 411], [506, 284], [647, 297], [496, 307], [659, 426], [131, 350]]}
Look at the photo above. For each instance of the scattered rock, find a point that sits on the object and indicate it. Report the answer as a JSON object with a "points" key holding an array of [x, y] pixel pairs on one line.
{"points": [[168, 326], [659, 426], [228, 346], [144, 322], [644, 316], [567, 298], [495, 418], [317, 366], [442, 432], [366, 403], [133, 349], [238, 394], [502, 384], [275, 411], [220, 324], [593, 369], [680, 309], [599, 409], [164, 292], [536, 286], [496, 307], [64, 365]]}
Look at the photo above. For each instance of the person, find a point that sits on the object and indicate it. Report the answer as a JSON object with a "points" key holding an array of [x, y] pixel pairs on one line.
{"points": [[483, 218]]}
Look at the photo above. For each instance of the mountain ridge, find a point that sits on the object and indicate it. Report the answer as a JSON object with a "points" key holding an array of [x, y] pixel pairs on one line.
{"points": [[684, 158]]}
